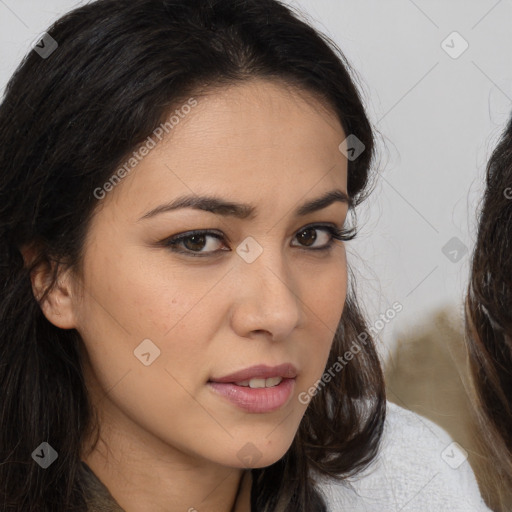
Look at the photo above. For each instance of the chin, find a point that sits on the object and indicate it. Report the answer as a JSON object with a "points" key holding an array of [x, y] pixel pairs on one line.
{"points": [[259, 452]]}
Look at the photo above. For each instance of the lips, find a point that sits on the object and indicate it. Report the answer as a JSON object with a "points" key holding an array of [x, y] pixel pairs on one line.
{"points": [[259, 372], [258, 389]]}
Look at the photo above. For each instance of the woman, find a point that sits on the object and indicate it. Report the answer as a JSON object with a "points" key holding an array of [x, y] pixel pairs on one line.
{"points": [[489, 316], [176, 182]]}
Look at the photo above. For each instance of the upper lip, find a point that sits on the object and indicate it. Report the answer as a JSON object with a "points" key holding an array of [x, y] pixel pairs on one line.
{"points": [[286, 371]]}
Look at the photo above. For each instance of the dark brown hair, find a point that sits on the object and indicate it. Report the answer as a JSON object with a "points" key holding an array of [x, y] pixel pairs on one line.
{"points": [[489, 314], [66, 122]]}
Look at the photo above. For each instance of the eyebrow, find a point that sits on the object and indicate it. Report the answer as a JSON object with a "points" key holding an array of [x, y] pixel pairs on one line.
{"points": [[220, 206]]}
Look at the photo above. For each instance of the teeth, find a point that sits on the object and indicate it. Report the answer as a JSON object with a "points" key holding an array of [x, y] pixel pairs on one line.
{"points": [[257, 383], [273, 381], [260, 383]]}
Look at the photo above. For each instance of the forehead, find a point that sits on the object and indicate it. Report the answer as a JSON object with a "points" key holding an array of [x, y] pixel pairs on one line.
{"points": [[253, 140]]}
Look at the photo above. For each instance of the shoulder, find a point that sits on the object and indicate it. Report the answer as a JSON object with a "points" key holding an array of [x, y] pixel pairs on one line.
{"points": [[419, 468]]}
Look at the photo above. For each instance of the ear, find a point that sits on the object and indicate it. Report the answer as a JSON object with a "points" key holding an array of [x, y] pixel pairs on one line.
{"points": [[57, 307]]}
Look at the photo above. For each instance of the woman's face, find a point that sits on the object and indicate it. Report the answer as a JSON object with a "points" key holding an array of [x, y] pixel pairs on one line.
{"points": [[160, 322]]}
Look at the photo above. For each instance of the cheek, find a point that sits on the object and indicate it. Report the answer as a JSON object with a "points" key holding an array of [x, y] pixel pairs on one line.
{"points": [[181, 313], [326, 294], [176, 315], [139, 294], [325, 306], [178, 311]]}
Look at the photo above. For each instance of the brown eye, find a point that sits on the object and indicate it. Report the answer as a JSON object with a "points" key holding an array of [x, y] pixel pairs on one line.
{"points": [[197, 242], [307, 236]]}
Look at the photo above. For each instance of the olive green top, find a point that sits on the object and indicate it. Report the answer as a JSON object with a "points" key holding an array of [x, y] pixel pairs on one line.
{"points": [[97, 496]]}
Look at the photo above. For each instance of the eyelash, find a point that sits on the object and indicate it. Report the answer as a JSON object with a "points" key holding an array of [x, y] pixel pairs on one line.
{"points": [[336, 234]]}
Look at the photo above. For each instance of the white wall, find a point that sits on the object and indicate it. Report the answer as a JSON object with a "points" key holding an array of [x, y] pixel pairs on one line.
{"points": [[439, 118]]}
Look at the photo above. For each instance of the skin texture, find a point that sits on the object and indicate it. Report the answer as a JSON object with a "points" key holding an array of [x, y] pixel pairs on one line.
{"points": [[168, 442]]}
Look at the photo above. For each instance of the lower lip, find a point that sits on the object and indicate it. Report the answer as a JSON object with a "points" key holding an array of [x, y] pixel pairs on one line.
{"points": [[256, 400]]}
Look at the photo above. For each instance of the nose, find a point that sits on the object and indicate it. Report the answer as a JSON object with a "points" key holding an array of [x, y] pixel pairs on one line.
{"points": [[266, 297]]}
